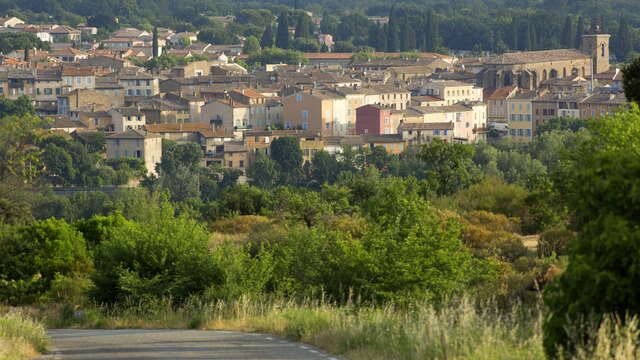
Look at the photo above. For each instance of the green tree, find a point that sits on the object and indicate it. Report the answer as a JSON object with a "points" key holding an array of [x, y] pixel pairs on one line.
{"points": [[623, 42], [163, 256], [568, 36], [19, 158], [251, 45], [154, 43], [286, 152], [277, 56], [59, 165], [450, 166], [579, 32], [304, 26], [267, 37], [282, 34], [306, 45], [631, 81], [263, 172], [603, 262], [39, 251], [324, 168]]}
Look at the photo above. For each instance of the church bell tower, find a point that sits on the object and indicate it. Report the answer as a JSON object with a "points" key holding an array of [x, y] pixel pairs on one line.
{"points": [[597, 46]]}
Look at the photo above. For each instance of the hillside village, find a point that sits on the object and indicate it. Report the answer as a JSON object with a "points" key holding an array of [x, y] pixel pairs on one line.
{"points": [[392, 100]]}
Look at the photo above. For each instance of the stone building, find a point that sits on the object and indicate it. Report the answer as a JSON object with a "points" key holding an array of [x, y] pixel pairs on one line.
{"points": [[528, 69]]}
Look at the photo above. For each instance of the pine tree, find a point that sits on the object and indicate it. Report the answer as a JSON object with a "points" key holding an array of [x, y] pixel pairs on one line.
{"points": [[282, 34], [568, 37], [267, 37], [155, 42], [579, 33]]}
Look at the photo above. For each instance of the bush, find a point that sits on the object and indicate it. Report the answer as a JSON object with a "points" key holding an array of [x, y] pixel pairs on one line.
{"points": [[165, 256], [35, 254], [555, 241]]}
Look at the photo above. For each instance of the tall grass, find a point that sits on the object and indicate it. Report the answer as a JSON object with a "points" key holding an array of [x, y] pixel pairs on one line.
{"points": [[460, 330], [20, 336]]}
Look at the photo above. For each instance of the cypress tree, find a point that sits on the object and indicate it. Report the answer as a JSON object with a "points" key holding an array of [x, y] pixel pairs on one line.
{"points": [[282, 35], [393, 41], [623, 42], [579, 33], [154, 42], [514, 36], [568, 37], [527, 37], [267, 37], [431, 37], [303, 26], [408, 38], [26, 53]]}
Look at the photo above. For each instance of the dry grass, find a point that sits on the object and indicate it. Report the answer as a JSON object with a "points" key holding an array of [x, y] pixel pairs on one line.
{"points": [[20, 337], [460, 330]]}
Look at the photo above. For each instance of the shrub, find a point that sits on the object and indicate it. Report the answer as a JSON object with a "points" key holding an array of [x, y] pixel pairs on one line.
{"points": [[555, 241], [33, 255], [165, 256]]}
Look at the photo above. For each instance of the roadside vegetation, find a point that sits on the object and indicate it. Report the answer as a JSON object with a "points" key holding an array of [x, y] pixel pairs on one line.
{"points": [[20, 336]]}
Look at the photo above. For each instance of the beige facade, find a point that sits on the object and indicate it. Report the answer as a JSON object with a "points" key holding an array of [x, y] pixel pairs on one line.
{"points": [[131, 118], [139, 84], [520, 116], [497, 104], [136, 144], [324, 112], [230, 115], [453, 92]]}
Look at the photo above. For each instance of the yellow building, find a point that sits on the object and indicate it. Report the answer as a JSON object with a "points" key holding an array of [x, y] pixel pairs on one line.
{"points": [[520, 115]]}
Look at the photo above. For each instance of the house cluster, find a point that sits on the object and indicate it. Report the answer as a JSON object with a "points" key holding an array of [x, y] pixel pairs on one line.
{"points": [[336, 100]]}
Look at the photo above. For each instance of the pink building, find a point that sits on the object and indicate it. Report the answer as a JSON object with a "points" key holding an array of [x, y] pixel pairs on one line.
{"points": [[374, 120]]}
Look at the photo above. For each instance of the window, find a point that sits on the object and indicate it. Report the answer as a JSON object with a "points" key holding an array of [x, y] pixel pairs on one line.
{"points": [[48, 91], [513, 107], [230, 163], [305, 114], [436, 132], [298, 97], [328, 125], [305, 126], [148, 92], [138, 154], [519, 107], [512, 132], [241, 163], [528, 132], [520, 132], [387, 121]]}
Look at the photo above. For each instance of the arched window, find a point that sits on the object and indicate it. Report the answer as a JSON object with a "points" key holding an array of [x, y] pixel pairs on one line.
{"points": [[564, 73], [553, 74], [602, 46], [574, 72], [544, 75]]}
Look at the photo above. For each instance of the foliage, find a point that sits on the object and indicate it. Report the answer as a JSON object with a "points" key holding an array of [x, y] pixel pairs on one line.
{"points": [[286, 152], [163, 256], [561, 123], [599, 187], [20, 41], [631, 81], [450, 166], [21, 337], [251, 45], [34, 254], [277, 56], [18, 156]]}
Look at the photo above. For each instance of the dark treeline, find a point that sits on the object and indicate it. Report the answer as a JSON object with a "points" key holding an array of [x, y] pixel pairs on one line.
{"points": [[480, 25]]}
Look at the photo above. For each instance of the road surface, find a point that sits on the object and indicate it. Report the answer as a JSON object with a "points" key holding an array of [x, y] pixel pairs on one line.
{"points": [[78, 344]]}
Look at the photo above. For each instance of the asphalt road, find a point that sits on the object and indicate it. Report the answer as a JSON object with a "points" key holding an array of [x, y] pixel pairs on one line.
{"points": [[77, 344]]}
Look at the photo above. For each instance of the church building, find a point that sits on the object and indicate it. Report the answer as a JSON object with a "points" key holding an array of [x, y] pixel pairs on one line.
{"points": [[527, 69]]}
